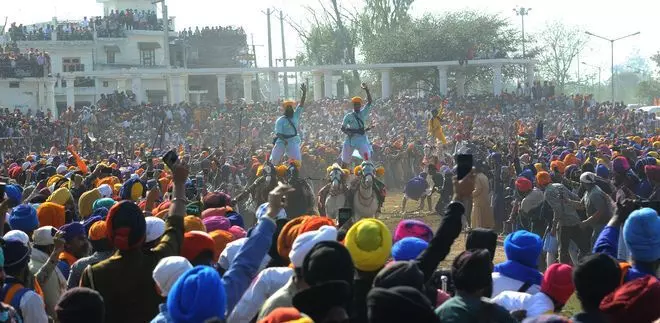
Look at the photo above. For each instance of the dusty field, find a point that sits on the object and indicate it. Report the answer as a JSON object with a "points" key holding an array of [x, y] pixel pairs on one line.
{"points": [[391, 216]]}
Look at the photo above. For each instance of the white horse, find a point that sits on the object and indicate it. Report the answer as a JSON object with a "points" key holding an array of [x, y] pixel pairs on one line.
{"points": [[365, 201], [336, 197]]}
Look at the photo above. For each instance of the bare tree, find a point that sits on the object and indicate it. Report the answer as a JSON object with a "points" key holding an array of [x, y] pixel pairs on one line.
{"points": [[560, 45]]}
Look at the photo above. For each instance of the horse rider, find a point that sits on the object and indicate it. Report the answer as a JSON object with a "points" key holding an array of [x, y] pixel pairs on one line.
{"points": [[286, 130], [353, 127]]}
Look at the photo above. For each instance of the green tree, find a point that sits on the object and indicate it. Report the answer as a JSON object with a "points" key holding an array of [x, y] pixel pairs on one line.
{"points": [[561, 45], [445, 38]]}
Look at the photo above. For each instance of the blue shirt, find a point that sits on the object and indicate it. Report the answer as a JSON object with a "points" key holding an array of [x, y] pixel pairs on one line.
{"points": [[163, 316], [351, 122], [607, 243], [283, 126], [64, 268]]}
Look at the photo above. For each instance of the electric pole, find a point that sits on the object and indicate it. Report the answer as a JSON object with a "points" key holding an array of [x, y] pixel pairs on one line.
{"points": [[285, 80], [254, 56], [270, 41]]}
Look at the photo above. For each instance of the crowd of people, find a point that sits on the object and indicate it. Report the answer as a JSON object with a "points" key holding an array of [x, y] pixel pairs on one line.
{"points": [[100, 229], [15, 63], [111, 26]]}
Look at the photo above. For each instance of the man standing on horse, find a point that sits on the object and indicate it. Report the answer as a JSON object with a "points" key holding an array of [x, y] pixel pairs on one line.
{"points": [[353, 127], [286, 130]]}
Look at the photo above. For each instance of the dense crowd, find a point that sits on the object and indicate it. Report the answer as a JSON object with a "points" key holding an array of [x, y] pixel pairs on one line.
{"points": [[15, 63], [98, 229], [110, 26]]}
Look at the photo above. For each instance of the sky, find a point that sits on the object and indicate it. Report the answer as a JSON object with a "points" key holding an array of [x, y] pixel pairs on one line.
{"points": [[610, 19]]}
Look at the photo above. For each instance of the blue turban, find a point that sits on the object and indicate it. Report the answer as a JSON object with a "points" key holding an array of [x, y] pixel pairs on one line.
{"points": [[236, 219], [408, 248], [101, 212], [602, 171], [105, 202], [197, 295], [529, 174], [640, 233], [523, 247], [14, 193], [24, 218], [73, 230]]}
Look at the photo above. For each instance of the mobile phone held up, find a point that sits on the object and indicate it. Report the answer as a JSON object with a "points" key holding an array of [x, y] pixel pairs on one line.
{"points": [[170, 159], [343, 215], [463, 165]]}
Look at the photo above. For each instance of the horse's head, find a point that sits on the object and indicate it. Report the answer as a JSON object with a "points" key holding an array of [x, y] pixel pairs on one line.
{"points": [[427, 150], [367, 173], [292, 172], [335, 176], [268, 171]]}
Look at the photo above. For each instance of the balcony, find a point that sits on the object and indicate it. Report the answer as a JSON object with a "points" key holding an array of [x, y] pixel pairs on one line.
{"points": [[107, 67]]}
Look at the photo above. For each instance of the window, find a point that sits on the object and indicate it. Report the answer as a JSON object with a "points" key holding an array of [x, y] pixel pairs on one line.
{"points": [[148, 57], [111, 57], [105, 83], [14, 85], [72, 64]]}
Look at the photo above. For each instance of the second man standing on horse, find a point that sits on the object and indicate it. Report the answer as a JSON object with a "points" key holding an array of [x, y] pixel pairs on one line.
{"points": [[286, 130]]}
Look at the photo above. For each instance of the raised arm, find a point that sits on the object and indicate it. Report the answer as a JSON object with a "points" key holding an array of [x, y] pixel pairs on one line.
{"points": [[366, 89], [303, 88]]}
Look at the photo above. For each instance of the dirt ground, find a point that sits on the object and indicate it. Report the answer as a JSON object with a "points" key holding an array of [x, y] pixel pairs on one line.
{"points": [[391, 216]]}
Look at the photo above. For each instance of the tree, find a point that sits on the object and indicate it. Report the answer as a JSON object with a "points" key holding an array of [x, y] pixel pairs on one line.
{"points": [[562, 44], [445, 38]]}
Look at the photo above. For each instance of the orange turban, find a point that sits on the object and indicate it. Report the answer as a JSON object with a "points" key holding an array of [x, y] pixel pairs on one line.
{"points": [[221, 238], [559, 165], [50, 213], [288, 234], [570, 159], [98, 231], [193, 223], [543, 178], [314, 223], [356, 99]]}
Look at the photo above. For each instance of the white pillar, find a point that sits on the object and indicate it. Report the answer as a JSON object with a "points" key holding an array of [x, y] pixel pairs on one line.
{"points": [[460, 83], [98, 85], [327, 84], [222, 88], [442, 80], [70, 92], [121, 85], [335, 89], [385, 83], [247, 87], [497, 79], [530, 74], [274, 87], [318, 86], [50, 97], [136, 87]]}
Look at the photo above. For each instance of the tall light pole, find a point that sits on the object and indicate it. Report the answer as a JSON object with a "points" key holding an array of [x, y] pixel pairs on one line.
{"points": [[612, 52], [166, 32], [522, 12]]}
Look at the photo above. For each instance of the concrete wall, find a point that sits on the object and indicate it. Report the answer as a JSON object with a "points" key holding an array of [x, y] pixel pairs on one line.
{"points": [[24, 97]]}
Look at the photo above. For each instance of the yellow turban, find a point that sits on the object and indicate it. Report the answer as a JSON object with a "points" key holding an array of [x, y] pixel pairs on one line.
{"points": [[637, 140], [61, 196], [538, 166], [288, 103], [369, 242], [356, 99], [653, 154], [86, 201], [193, 223], [656, 145], [54, 179]]}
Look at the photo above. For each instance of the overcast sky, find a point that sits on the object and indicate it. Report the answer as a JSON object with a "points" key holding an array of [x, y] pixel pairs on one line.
{"points": [[611, 19]]}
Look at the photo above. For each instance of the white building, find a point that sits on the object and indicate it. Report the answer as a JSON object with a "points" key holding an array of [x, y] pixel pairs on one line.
{"points": [[136, 63]]}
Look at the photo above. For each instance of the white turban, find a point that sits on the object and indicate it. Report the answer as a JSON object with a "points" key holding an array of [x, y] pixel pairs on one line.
{"points": [[304, 243], [105, 190], [155, 228], [168, 270]]}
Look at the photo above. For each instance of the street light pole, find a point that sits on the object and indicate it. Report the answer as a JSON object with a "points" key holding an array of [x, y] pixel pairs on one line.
{"points": [[612, 53], [522, 12], [599, 71]]}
